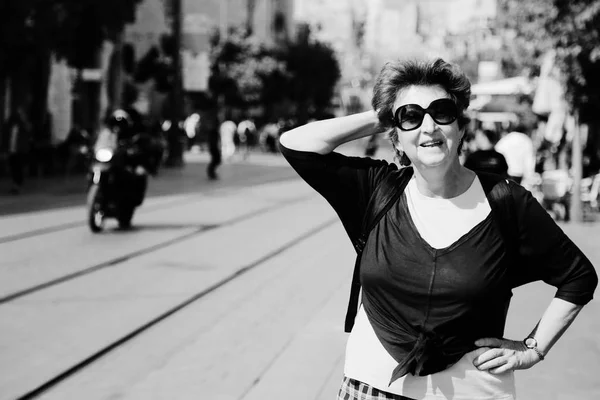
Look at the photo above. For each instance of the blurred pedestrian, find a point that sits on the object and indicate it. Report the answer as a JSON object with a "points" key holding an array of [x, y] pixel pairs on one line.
{"points": [[544, 157], [485, 158], [19, 142], [436, 271], [214, 149], [517, 149], [191, 126], [42, 150], [246, 131], [77, 149], [269, 136], [227, 132], [210, 130]]}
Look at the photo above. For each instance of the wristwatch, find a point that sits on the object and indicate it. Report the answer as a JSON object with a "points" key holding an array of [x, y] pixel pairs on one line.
{"points": [[532, 344]]}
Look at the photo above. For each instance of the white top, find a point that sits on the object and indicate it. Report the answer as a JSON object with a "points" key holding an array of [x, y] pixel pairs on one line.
{"points": [[245, 124], [366, 358], [227, 129], [517, 148]]}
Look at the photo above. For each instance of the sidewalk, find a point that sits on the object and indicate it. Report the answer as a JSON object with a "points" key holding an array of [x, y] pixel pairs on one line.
{"points": [[274, 334]]}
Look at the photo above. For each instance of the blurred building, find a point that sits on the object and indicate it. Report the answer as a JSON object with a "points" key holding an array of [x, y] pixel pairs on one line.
{"points": [[367, 33], [151, 22], [270, 21], [405, 28], [451, 29], [340, 24], [266, 18], [474, 41], [344, 32]]}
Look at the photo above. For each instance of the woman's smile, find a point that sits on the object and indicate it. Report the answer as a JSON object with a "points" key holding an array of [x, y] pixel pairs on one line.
{"points": [[432, 143]]}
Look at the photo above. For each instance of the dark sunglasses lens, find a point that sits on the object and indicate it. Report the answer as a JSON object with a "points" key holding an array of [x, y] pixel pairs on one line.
{"points": [[410, 117], [443, 111]]}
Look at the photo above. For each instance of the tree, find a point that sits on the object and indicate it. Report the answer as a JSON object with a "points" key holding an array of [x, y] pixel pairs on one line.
{"points": [[315, 73], [158, 64], [572, 28], [244, 72], [71, 28], [32, 30], [293, 79]]}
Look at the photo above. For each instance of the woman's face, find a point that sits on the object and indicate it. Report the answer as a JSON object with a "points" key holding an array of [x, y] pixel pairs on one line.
{"points": [[431, 144]]}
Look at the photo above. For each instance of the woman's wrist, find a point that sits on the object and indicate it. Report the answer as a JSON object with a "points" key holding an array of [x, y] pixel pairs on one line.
{"points": [[531, 344]]}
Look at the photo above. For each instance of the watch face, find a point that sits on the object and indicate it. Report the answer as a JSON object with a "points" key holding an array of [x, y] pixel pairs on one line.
{"points": [[530, 342]]}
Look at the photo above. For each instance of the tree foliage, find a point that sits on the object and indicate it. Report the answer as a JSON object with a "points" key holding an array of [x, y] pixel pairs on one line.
{"points": [[157, 64], [572, 29], [244, 70], [302, 74], [70, 28], [315, 71]]}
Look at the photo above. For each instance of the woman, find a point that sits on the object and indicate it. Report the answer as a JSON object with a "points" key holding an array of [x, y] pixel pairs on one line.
{"points": [[435, 272], [18, 145], [485, 158]]}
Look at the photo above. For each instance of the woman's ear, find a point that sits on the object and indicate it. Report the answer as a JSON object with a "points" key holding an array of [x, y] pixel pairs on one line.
{"points": [[461, 142], [400, 154], [396, 143]]}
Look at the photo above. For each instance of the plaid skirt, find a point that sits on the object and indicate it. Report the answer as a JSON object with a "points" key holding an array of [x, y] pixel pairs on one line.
{"points": [[356, 390]]}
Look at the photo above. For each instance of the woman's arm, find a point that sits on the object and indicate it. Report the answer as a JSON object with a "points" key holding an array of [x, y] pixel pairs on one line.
{"points": [[324, 136], [547, 254], [558, 317], [501, 355]]}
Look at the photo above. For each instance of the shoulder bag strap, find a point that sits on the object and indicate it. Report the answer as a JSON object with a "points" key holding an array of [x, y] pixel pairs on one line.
{"points": [[382, 199], [502, 203]]}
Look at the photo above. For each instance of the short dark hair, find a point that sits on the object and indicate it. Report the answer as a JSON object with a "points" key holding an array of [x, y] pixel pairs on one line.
{"points": [[491, 135], [520, 127], [401, 74]]}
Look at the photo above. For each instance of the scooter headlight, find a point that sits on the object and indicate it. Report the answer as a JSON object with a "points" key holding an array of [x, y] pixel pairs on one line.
{"points": [[104, 155]]}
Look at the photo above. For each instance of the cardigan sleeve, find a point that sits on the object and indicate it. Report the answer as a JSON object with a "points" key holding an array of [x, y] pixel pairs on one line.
{"points": [[548, 254], [345, 182]]}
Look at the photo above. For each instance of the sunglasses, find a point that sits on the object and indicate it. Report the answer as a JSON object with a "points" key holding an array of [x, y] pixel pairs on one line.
{"points": [[410, 116]]}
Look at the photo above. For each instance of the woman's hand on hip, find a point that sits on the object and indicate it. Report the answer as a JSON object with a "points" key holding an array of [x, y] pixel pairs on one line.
{"points": [[498, 356]]}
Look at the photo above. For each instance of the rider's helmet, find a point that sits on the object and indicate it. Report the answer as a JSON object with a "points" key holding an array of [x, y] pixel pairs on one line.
{"points": [[120, 122]]}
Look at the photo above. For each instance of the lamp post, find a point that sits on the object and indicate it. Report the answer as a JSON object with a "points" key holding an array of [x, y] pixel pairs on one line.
{"points": [[176, 134], [576, 163], [177, 90]]}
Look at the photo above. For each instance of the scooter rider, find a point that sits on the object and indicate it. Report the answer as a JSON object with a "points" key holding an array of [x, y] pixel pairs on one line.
{"points": [[119, 176], [120, 129]]}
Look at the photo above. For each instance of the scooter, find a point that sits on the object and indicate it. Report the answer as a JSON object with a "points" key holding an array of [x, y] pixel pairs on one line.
{"points": [[116, 183], [590, 195]]}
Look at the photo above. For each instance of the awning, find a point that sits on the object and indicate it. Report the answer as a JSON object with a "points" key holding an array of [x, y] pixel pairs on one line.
{"points": [[496, 117], [508, 86]]}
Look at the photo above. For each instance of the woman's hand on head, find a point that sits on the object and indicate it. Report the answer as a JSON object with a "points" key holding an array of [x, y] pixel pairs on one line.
{"points": [[498, 356]]}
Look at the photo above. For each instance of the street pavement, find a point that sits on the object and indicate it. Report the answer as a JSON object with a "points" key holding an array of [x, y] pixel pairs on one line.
{"points": [[70, 190], [234, 289]]}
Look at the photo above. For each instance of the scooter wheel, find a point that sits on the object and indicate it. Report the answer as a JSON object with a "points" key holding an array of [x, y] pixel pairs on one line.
{"points": [[125, 217], [95, 214]]}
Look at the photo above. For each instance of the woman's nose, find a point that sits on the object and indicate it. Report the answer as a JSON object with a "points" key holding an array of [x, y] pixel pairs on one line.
{"points": [[428, 125]]}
